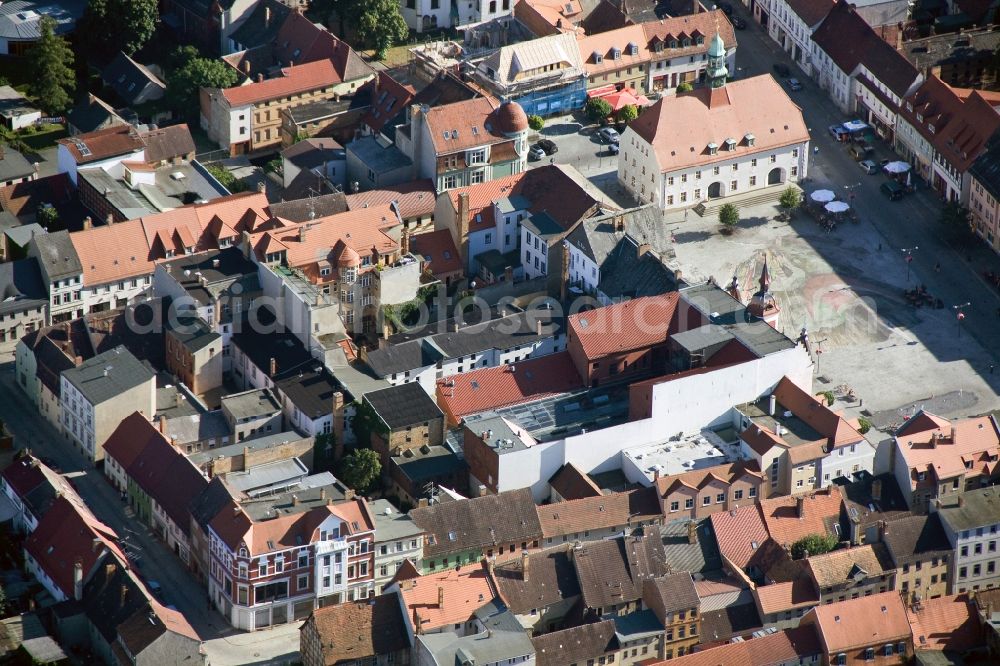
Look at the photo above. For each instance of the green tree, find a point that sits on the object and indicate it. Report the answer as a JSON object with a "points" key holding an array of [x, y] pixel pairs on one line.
{"points": [[536, 122], [684, 87], [627, 113], [864, 425], [729, 216], [790, 198], [955, 215], [380, 25], [47, 216], [813, 544], [829, 397], [110, 25], [191, 73], [51, 61], [226, 177], [360, 469], [597, 109]]}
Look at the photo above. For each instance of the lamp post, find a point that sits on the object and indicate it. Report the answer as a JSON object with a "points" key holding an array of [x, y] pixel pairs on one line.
{"points": [[960, 316], [908, 251]]}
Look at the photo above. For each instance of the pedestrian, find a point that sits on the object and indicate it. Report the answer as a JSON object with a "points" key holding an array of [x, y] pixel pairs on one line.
{"points": [[673, 239]]}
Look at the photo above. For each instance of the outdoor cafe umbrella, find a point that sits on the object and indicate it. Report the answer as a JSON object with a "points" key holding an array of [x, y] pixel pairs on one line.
{"points": [[822, 196], [837, 207], [897, 167]]}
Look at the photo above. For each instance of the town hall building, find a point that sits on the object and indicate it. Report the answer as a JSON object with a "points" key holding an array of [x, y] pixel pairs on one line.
{"points": [[713, 142]]}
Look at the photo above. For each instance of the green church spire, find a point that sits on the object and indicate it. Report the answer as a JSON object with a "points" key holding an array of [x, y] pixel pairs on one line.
{"points": [[717, 71]]}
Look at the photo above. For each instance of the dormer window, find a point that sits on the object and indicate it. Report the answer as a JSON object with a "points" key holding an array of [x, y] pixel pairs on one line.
{"points": [[686, 42], [598, 58], [930, 128], [673, 43], [713, 149], [749, 138], [909, 106], [920, 117], [658, 47], [699, 40], [730, 144], [633, 49], [616, 53]]}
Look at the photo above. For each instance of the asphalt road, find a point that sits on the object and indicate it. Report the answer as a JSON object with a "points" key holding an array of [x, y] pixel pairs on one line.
{"points": [[155, 561], [911, 222]]}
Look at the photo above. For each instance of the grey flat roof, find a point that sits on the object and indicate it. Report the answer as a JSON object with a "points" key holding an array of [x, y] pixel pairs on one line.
{"points": [[20, 20], [403, 405], [236, 448], [569, 414], [251, 404], [21, 286], [313, 491], [277, 474], [637, 625], [14, 165], [108, 375], [506, 639], [542, 224], [377, 157], [979, 508], [724, 310], [391, 523], [198, 427], [702, 337], [58, 256]]}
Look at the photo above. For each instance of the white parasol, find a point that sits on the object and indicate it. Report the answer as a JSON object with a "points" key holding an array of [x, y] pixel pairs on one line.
{"points": [[837, 207], [897, 167], [822, 196]]}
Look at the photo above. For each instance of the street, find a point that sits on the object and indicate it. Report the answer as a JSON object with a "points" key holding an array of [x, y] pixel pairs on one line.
{"points": [[224, 645]]}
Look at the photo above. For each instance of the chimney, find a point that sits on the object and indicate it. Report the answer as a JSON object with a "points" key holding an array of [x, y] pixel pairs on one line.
{"points": [[642, 249], [124, 593], [463, 224], [246, 458], [349, 494], [87, 223], [260, 77], [564, 272], [109, 570], [262, 187], [237, 510], [538, 326], [877, 490], [692, 528], [163, 424], [178, 399], [417, 622], [246, 68], [295, 500], [961, 501], [322, 493], [302, 233], [422, 503], [273, 366], [800, 506], [656, 476], [110, 219], [954, 435], [267, 16], [95, 544], [772, 404], [619, 224], [338, 425], [215, 263], [78, 580], [440, 597], [404, 243], [883, 529], [525, 565]]}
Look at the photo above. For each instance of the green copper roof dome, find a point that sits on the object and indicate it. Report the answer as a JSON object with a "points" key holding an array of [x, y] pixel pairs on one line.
{"points": [[717, 48]]}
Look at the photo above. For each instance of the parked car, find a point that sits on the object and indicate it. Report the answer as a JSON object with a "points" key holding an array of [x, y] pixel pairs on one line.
{"points": [[782, 70], [738, 23], [609, 134], [794, 84], [892, 190], [548, 145], [859, 150], [612, 149], [535, 153], [869, 167]]}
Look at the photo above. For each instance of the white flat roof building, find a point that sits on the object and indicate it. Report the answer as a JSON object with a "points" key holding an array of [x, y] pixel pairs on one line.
{"points": [[671, 457]]}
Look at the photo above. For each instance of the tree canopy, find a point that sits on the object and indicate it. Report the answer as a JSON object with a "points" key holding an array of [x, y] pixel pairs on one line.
{"points": [[360, 469], [684, 87], [790, 198], [813, 544], [729, 216], [110, 25], [380, 25], [627, 113], [597, 109], [52, 61], [192, 72]]}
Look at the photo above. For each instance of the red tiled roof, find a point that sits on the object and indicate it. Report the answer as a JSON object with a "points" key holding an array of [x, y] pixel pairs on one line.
{"points": [[727, 473], [780, 597], [462, 125], [789, 646], [294, 80], [413, 198], [819, 511], [740, 533], [102, 144], [861, 622], [390, 97], [946, 623], [815, 413], [66, 535], [492, 388], [465, 590], [596, 513], [975, 441], [24, 198], [920, 422], [438, 250], [621, 327]]}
